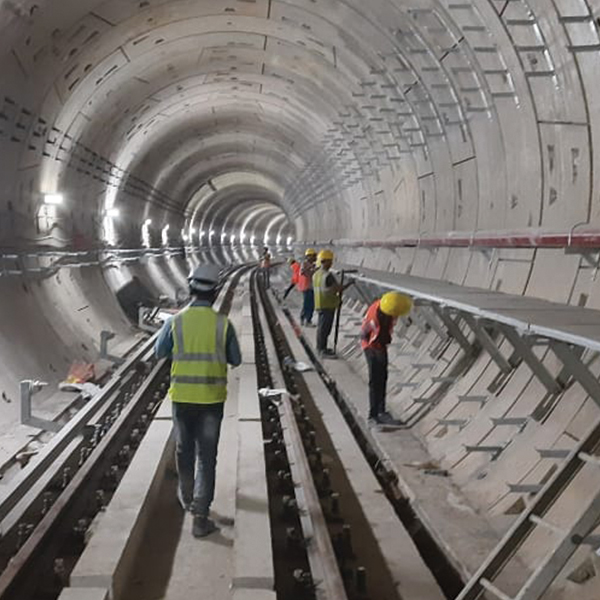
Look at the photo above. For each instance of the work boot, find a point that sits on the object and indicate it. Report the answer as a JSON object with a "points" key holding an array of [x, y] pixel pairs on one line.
{"points": [[203, 526], [373, 424], [385, 418]]}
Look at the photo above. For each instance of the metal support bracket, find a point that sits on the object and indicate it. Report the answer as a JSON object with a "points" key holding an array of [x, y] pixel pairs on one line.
{"points": [[520, 422], [453, 329], [573, 364], [433, 322], [534, 363], [525, 488], [105, 336], [495, 451], [554, 453], [28, 389], [488, 343], [477, 399], [460, 423]]}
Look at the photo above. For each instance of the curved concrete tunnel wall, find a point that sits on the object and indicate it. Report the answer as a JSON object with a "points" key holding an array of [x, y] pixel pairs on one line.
{"points": [[388, 128]]}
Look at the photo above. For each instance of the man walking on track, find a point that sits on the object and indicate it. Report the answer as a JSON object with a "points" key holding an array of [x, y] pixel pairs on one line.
{"points": [[201, 343], [376, 335]]}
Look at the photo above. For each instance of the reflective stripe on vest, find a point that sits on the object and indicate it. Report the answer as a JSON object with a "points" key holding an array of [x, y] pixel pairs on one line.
{"points": [[324, 299], [199, 368]]}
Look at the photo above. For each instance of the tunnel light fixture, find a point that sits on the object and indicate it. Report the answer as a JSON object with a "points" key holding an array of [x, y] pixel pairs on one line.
{"points": [[232, 238], [202, 233], [165, 235], [53, 199], [146, 233], [112, 213], [278, 241], [252, 240], [290, 240]]}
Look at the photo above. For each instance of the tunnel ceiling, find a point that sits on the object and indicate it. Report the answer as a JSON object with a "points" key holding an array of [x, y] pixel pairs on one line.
{"points": [[382, 116]]}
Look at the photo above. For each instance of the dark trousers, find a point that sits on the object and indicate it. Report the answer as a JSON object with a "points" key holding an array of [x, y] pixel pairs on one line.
{"points": [[290, 288], [324, 327], [377, 362], [266, 273], [308, 306], [197, 430]]}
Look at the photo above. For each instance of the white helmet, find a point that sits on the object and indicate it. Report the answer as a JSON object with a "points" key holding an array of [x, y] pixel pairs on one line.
{"points": [[205, 278]]}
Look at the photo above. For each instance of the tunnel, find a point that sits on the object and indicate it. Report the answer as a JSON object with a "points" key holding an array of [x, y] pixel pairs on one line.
{"points": [[427, 143]]}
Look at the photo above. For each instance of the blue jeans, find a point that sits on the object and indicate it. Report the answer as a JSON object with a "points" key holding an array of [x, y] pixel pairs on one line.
{"points": [[324, 327], [308, 306], [197, 430]]}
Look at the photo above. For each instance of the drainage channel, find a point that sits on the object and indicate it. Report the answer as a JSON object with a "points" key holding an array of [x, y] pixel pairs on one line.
{"points": [[440, 565], [363, 569]]}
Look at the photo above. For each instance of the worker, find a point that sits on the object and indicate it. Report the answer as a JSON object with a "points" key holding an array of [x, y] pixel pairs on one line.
{"points": [[201, 343], [305, 285], [376, 335], [327, 300], [265, 264], [295, 266]]}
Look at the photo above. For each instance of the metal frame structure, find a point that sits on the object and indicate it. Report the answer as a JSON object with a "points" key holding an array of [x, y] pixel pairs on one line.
{"points": [[479, 319]]}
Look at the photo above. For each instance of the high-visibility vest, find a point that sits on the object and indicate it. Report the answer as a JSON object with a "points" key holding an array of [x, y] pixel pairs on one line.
{"points": [[295, 273], [199, 367], [371, 328], [306, 275], [324, 299]]}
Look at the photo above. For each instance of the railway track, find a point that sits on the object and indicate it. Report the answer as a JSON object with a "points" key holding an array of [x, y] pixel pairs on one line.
{"points": [[354, 527], [47, 509], [334, 534]]}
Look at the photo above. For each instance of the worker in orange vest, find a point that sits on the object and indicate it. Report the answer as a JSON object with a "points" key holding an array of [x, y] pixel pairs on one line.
{"points": [[305, 285], [376, 336], [295, 266]]}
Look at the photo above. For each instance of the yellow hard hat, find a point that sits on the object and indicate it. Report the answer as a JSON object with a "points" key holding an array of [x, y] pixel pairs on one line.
{"points": [[395, 304], [310, 252], [325, 255]]}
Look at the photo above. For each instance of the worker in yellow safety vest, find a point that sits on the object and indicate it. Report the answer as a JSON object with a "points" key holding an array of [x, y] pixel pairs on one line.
{"points": [[327, 292], [201, 343]]}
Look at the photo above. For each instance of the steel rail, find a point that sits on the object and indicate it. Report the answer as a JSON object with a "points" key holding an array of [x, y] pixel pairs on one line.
{"points": [[23, 481], [17, 568], [329, 584]]}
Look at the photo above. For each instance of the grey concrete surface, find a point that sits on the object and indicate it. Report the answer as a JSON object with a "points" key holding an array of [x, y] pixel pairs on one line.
{"points": [[338, 122]]}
